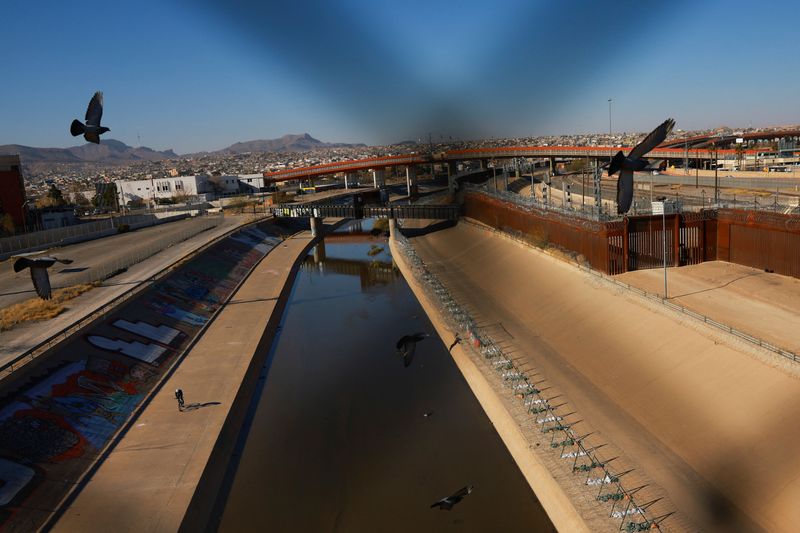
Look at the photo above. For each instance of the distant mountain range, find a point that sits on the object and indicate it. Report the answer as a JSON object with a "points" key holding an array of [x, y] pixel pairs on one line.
{"points": [[116, 152], [288, 143], [109, 151]]}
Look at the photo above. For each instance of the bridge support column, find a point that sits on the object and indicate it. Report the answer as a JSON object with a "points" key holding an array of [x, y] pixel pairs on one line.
{"points": [[392, 227], [316, 227], [378, 177], [319, 252], [552, 162], [348, 179], [411, 180]]}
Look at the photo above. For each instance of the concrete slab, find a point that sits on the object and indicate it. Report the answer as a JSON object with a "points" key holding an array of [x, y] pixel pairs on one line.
{"points": [[706, 421], [761, 304]]}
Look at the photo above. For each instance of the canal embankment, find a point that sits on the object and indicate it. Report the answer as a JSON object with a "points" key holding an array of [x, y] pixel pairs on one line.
{"points": [[164, 472], [557, 502]]}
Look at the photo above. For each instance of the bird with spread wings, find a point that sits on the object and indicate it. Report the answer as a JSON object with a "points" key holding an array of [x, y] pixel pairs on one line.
{"points": [[633, 162], [38, 267], [92, 129]]}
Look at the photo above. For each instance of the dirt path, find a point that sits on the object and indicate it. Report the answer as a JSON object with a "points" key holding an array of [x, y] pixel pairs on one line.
{"points": [[709, 426]]}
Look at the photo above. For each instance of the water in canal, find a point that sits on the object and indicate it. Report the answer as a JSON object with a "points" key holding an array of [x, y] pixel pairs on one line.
{"points": [[339, 440]]}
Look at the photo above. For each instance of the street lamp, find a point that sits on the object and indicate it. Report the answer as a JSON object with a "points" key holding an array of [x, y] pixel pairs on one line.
{"points": [[611, 150], [656, 207]]}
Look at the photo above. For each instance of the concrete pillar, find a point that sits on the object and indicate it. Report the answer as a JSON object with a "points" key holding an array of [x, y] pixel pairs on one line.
{"points": [[452, 168], [552, 162], [346, 184], [378, 177], [484, 164], [316, 226], [392, 227], [319, 252], [411, 180]]}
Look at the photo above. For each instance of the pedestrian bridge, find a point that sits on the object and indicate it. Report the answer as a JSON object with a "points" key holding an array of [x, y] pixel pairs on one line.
{"points": [[430, 212]]}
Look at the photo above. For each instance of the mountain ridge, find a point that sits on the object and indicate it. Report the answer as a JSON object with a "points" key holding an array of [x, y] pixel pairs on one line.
{"points": [[112, 151]]}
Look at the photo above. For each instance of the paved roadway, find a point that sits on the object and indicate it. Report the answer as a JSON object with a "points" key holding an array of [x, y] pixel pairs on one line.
{"points": [[91, 255], [25, 336]]}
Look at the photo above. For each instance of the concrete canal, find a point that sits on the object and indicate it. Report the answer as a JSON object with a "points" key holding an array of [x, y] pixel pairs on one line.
{"points": [[338, 440]]}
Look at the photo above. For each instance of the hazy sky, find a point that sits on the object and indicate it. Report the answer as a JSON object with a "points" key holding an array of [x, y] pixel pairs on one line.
{"points": [[200, 75]]}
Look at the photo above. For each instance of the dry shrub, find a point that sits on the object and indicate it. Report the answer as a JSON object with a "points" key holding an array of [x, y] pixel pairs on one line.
{"points": [[38, 309]]}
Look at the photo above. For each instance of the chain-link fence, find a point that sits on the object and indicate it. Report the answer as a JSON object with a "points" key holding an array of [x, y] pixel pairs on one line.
{"points": [[590, 212], [626, 504]]}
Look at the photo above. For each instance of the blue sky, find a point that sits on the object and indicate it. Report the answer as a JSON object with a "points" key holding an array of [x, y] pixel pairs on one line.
{"points": [[202, 75]]}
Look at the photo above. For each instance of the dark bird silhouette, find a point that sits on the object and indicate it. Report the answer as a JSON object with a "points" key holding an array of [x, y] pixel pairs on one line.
{"points": [[407, 345], [39, 276], [455, 341], [445, 504], [92, 129], [634, 162]]}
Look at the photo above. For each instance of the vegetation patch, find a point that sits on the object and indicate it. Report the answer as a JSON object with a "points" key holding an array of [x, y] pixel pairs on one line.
{"points": [[38, 309], [374, 250]]}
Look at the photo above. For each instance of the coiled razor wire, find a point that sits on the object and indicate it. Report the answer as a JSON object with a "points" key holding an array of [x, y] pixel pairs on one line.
{"points": [[542, 412]]}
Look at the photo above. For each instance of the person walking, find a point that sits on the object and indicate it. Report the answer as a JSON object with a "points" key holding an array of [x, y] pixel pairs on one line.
{"points": [[179, 397]]}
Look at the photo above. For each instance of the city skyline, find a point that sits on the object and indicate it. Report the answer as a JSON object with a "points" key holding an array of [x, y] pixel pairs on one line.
{"points": [[201, 78]]}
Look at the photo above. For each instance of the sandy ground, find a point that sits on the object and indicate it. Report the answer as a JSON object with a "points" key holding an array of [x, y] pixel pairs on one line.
{"points": [[709, 426], [763, 305]]}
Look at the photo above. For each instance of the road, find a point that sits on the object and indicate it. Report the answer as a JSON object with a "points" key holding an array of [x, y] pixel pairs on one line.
{"points": [[91, 256]]}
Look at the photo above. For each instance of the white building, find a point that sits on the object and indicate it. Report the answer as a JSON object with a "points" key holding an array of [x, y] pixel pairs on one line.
{"points": [[150, 190], [253, 183], [207, 187]]}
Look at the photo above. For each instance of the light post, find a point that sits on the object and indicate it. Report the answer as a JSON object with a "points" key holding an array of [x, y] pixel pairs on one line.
{"points": [[656, 207], [716, 173], [611, 149]]}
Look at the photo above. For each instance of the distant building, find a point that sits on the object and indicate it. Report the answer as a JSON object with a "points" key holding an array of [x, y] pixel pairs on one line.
{"points": [[254, 183], [56, 217], [12, 190], [151, 190]]}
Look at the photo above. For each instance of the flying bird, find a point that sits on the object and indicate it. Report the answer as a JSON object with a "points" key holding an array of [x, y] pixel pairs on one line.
{"points": [[445, 504], [634, 162], [407, 345], [92, 129], [39, 276]]}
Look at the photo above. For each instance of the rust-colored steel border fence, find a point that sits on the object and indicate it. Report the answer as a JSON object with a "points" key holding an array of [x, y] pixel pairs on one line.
{"points": [[759, 239]]}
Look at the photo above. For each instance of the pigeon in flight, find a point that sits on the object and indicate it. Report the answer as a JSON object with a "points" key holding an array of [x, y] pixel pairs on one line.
{"points": [[39, 266], [634, 162], [445, 504], [407, 345], [92, 129]]}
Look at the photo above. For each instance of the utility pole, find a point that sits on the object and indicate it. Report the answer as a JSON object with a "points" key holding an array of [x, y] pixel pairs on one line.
{"points": [[611, 149]]}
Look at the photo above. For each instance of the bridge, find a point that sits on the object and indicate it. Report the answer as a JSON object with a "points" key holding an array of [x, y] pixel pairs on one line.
{"points": [[315, 211], [450, 158]]}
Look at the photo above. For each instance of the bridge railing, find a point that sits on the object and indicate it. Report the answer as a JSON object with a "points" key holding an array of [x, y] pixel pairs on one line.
{"points": [[435, 212]]}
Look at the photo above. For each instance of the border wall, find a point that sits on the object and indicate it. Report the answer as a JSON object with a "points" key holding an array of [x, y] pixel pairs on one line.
{"points": [[758, 239]]}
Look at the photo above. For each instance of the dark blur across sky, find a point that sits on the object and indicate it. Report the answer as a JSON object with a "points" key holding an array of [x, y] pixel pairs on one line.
{"points": [[201, 75]]}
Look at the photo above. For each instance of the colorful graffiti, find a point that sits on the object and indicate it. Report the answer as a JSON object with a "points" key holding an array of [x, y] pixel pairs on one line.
{"points": [[70, 408]]}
